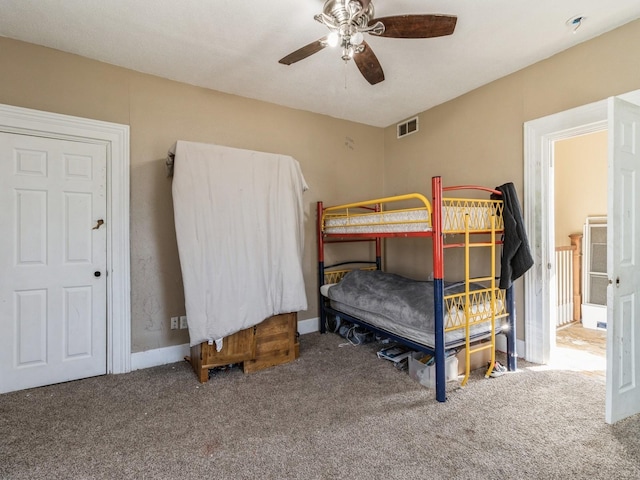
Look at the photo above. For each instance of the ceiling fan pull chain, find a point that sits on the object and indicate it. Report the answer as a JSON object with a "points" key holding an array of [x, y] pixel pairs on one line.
{"points": [[345, 74]]}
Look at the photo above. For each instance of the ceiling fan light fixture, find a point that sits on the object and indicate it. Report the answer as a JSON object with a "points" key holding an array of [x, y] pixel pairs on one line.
{"points": [[357, 38], [326, 20], [333, 39], [347, 53], [353, 7]]}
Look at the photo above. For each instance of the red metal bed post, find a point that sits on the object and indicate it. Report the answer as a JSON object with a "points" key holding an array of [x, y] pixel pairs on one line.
{"points": [[323, 315], [438, 287]]}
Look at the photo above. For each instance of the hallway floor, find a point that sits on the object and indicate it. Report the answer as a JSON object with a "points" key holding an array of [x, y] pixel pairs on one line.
{"points": [[581, 349]]}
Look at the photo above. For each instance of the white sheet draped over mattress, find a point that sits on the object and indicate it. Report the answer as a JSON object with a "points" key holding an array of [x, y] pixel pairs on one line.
{"points": [[240, 229]]}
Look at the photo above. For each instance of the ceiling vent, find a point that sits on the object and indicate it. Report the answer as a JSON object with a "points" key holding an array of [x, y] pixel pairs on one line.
{"points": [[408, 127]]}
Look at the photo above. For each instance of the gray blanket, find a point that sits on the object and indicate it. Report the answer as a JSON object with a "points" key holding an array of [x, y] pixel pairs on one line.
{"points": [[397, 304]]}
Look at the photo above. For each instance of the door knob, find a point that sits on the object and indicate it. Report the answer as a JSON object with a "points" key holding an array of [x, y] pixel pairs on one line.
{"points": [[97, 274]]}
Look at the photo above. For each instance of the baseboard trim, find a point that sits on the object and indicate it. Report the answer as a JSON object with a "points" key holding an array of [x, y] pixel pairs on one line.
{"points": [[176, 353], [309, 325], [501, 345], [521, 348], [159, 356]]}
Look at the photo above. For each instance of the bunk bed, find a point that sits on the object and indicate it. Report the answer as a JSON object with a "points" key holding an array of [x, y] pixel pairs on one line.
{"points": [[468, 313]]}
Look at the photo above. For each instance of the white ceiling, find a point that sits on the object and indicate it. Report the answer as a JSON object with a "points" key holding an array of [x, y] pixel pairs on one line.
{"points": [[234, 46]]}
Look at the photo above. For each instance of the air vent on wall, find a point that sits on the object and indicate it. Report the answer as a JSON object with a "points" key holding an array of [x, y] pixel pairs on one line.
{"points": [[408, 127]]}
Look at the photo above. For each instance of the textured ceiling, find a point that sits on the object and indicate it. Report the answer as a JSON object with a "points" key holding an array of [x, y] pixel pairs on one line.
{"points": [[234, 46]]}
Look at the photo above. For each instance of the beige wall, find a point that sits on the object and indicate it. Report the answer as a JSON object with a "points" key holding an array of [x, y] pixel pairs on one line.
{"points": [[478, 137], [160, 112], [580, 168]]}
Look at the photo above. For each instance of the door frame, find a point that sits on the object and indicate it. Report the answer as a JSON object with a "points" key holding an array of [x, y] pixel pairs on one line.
{"points": [[539, 138], [115, 137]]}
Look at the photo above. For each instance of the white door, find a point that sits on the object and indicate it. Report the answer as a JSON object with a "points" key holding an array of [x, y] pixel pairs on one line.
{"points": [[623, 262], [52, 261]]}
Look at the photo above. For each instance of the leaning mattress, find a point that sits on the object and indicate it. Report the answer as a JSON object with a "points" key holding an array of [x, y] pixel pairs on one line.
{"points": [[403, 306]]}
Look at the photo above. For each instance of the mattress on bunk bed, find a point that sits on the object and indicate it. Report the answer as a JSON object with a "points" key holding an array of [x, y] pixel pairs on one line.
{"points": [[409, 221], [403, 306], [385, 222]]}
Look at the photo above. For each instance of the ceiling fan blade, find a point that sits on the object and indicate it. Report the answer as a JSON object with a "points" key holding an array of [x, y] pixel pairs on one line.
{"points": [[369, 65], [417, 26], [304, 52]]}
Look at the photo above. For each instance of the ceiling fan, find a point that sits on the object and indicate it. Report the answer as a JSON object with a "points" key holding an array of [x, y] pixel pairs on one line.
{"points": [[348, 20]]}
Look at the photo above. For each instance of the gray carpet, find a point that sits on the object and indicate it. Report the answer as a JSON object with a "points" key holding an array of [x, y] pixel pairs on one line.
{"points": [[336, 412]]}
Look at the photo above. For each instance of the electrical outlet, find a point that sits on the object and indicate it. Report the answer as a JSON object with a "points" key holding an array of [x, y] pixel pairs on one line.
{"points": [[174, 323], [183, 322]]}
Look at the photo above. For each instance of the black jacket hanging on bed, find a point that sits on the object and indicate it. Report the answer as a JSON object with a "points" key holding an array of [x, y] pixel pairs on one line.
{"points": [[516, 255]]}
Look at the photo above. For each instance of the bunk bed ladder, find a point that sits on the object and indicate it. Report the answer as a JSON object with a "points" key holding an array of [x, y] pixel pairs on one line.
{"points": [[491, 344]]}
